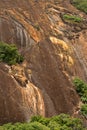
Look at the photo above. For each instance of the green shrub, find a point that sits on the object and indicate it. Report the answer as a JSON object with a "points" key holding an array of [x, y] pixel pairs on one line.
{"points": [[72, 18], [25, 126], [65, 121], [81, 88], [81, 5], [53, 125], [40, 119], [38, 126], [9, 54], [2, 128], [84, 110], [61, 119], [35, 118], [60, 122], [9, 126]]}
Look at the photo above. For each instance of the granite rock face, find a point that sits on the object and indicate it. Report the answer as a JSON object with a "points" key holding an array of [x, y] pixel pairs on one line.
{"points": [[54, 52]]}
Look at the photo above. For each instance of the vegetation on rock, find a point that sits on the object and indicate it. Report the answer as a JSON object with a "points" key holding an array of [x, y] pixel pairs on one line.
{"points": [[72, 18], [81, 5], [84, 110], [81, 88], [9, 54], [61, 122]]}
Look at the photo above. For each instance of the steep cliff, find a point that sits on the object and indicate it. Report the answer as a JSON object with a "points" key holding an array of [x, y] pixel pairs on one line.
{"points": [[55, 52]]}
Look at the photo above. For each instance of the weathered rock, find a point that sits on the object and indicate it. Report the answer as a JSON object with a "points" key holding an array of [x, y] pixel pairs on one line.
{"points": [[42, 83], [18, 103]]}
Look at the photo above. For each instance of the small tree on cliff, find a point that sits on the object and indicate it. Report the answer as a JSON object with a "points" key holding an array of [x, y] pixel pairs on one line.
{"points": [[9, 54]]}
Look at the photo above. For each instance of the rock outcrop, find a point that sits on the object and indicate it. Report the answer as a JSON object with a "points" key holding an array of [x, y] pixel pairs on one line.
{"points": [[54, 52]]}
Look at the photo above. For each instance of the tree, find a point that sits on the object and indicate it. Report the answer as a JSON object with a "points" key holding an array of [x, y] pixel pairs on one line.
{"points": [[9, 54]]}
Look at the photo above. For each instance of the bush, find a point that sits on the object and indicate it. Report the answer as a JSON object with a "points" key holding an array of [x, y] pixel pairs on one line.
{"points": [[65, 121], [25, 126], [9, 54], [60, 122], [38, 126], [9, 126], [84, 110], [81, 5], [72, 18], [81, 88], [40, 119], [1, 128]]}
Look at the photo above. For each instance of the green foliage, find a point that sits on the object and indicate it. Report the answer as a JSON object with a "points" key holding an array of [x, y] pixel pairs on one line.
{"points": [[81, 88], [53, 125], [65, 121], [9, 126], [72, 18], [9, 54], [2, 128], [84, 110], [61, 122], [25, 126], [38, 126], [81, 5], [40, 119]]}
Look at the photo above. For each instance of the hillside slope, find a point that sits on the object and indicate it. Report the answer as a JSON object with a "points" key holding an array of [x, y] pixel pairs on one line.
{"points": [[55, 52]]}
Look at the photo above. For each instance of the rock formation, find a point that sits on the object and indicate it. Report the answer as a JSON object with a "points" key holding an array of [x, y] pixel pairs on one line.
{"points": [[54, 52]]}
